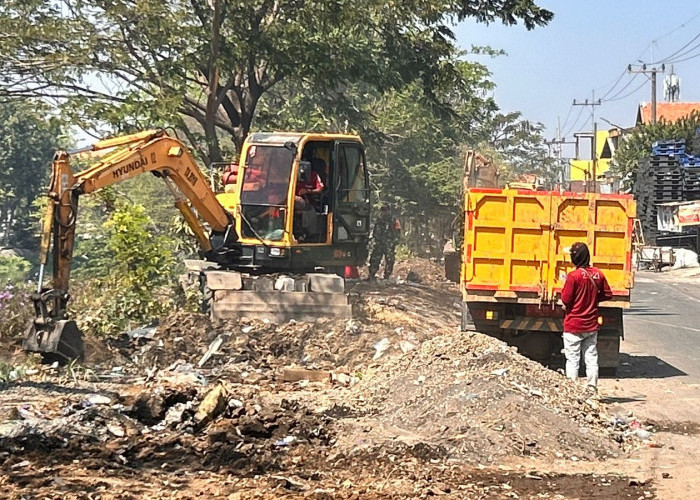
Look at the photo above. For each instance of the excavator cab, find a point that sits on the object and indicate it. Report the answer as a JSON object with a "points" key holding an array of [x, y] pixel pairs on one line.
{"points": [[302, 202]]}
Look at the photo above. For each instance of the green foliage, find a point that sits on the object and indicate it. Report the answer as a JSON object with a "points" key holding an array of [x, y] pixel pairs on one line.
{"points": [[517, 146], [13, 269], [415, 148], [10, 372], [133, 277], [637, 145], [29, 134], [403, 252], [15, 310], [213, 61]]}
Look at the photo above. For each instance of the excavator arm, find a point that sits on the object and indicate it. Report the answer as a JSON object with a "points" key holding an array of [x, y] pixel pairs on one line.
{"points": [[51, 332]]}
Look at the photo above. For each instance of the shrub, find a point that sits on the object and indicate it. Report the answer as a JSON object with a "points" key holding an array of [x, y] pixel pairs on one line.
{"points": [[13, 269], [135, 281], [16, 310]]}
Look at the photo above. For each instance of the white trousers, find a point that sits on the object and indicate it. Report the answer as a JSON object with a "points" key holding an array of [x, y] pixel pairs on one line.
{"points": [[587, 342]]}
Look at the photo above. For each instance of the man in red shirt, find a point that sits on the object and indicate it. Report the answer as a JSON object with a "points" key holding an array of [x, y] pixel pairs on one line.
{"points": [[313, 186], [584, 289]]}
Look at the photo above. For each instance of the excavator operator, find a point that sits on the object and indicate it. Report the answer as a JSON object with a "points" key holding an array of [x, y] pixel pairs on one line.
{"points": [[309, 190]]}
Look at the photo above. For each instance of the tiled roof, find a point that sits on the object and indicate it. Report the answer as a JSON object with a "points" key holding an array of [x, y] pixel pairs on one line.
{"points": [[668, 111]]}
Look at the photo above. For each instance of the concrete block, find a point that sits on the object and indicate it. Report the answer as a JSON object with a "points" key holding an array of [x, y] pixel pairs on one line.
{"points": [[224, 280], [326, 283], [285, 284]]}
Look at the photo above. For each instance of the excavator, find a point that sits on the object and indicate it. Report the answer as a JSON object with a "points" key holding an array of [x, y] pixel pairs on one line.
{"points": [[293, 212]]}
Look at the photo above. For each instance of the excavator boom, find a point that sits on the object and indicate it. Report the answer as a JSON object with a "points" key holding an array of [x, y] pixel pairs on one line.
{"points": [[51, 332]]}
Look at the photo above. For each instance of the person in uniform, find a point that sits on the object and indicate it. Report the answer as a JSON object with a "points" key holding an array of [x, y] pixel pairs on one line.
{"points": [[386, 233]]}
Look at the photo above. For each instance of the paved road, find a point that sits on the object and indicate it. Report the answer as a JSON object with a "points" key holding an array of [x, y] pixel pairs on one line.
{"points": [[659, 379], [662, 329]]}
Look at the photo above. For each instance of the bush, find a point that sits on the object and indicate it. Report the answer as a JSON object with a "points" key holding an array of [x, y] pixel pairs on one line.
{"points": [[13, 269], [16, 310], [135, 278]]}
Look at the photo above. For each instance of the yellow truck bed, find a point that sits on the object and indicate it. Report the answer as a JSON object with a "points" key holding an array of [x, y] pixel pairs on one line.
{"points": [[516, 242]]}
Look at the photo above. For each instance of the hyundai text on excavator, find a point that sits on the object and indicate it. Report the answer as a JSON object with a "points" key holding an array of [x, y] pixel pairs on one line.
{"points": [[270, 245]]}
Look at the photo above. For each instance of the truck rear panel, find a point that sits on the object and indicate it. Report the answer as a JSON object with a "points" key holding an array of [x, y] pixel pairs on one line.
{"points": [[515, 260], [516, 242]]}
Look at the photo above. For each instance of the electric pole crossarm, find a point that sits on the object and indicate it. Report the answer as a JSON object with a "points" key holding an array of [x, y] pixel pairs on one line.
{"points": [[651, 72]]}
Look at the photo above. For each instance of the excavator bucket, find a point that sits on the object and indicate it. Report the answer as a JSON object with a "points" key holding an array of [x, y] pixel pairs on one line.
{"points": [[61, 341]]}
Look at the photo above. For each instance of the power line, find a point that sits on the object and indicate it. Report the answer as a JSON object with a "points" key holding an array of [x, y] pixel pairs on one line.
{"points": [[676, 28], [578, 117], [624, 72], [687, 58], [568, 114], [676, 53], [614, 98], [628, 94]]}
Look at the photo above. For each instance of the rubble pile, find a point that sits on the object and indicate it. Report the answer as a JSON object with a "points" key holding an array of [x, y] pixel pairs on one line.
{"points": [[473, 396], [394, 403]]}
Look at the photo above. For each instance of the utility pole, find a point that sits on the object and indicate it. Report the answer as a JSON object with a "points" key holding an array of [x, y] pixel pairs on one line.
{"points": [[557, 143], [594, 157], [651, 72]]}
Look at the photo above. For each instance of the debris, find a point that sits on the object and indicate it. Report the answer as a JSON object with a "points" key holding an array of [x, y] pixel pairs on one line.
{"points": [[638, 482], [147, 333], [342, 379], [642, 434], [406, 346], [380, 347], [297, 374], [213, 348], [115, 430], [352, 327], [19, 465], [96, 399], [500, 372], [287, 440], [150, 406], [213, 404]]}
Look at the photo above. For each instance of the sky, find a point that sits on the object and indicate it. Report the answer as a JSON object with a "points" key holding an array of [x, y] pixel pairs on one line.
{"points": [[586, 48]]}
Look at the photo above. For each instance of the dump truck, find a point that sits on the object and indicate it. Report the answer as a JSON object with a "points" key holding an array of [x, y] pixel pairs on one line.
{"points": [[293, 213], [515, 261]]}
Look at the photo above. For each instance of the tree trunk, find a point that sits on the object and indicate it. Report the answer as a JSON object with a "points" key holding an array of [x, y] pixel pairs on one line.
{"points": [[213, 149]]}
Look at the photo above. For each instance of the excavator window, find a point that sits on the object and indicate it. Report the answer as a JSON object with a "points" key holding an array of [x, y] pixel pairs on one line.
{"points": [[264, 189], [351, 175]]}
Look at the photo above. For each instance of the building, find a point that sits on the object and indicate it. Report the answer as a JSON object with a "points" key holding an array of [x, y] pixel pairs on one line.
{"points": [[582, 170], [666, 111]]}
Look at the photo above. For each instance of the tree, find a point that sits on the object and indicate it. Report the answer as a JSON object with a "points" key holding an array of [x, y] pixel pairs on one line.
{"points": [[415, 150], [521, 148], [129, 63], [637, 145], [29, 135]]}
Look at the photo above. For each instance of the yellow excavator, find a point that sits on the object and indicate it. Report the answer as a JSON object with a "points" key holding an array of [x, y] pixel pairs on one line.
{"points": [[293, 212]]}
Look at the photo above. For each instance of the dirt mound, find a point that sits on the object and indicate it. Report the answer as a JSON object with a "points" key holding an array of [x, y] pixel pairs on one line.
{"points": [[472, 396], [388, 319]]}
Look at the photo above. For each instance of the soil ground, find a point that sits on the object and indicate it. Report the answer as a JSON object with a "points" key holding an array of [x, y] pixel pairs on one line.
{"points": [[410, 408]]}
